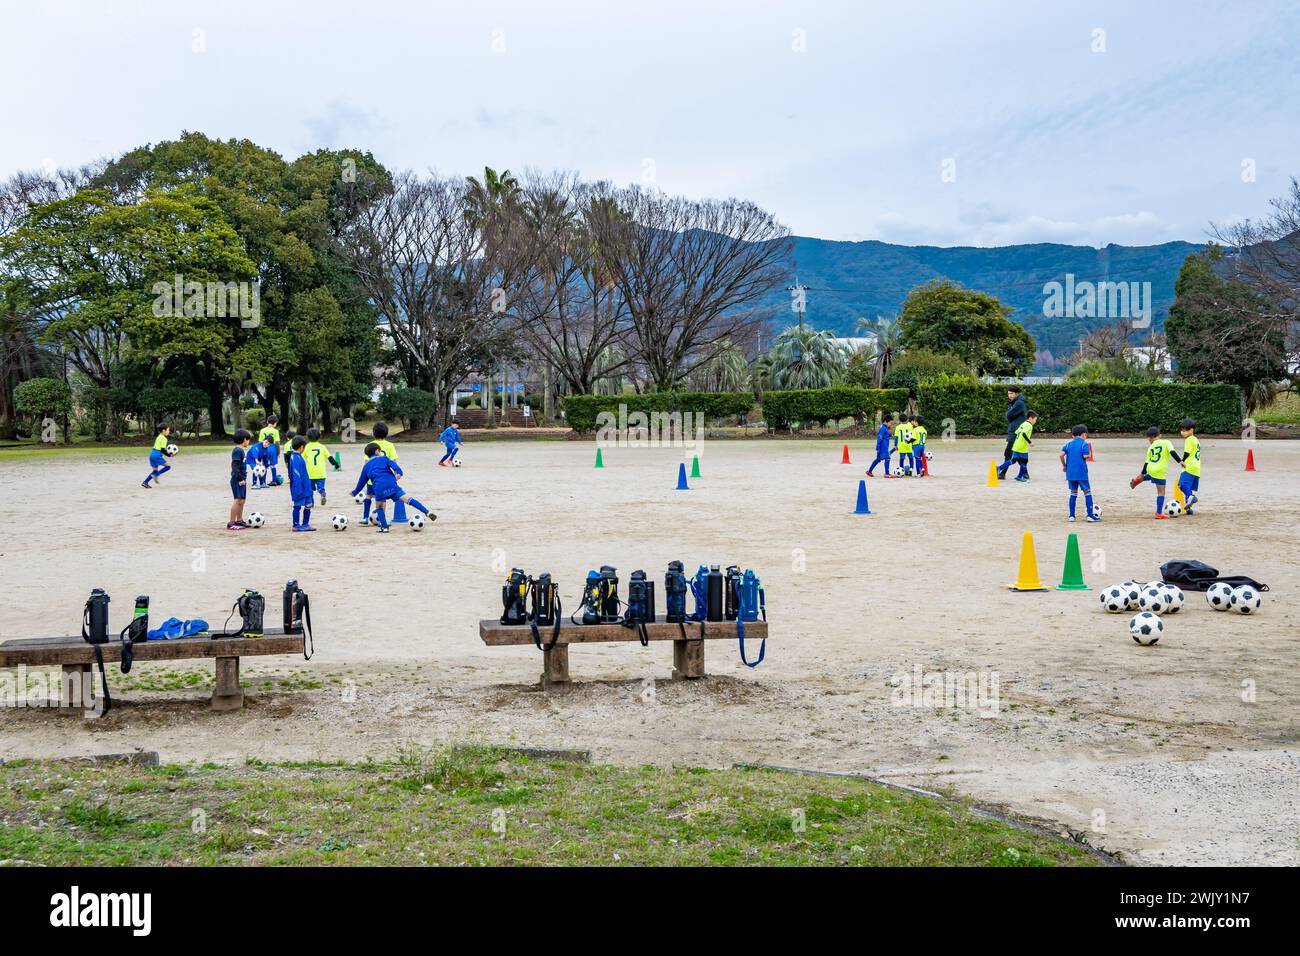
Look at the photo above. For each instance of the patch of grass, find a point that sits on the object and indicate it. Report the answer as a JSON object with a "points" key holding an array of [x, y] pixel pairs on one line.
{"points": [[484, 806], [1284, 410]]}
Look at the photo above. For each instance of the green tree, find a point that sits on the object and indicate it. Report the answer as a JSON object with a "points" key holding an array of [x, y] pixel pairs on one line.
{"points": [[886, 344], [803, 357], [1222, 330], [918, 365], [945, 317], [41, 398]]}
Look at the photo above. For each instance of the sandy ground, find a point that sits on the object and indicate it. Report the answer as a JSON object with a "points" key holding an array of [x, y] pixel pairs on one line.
{"points": [[1180, 753]]}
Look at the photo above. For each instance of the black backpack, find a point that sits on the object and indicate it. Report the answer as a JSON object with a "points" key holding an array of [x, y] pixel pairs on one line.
{"points": [[1198, 576]]}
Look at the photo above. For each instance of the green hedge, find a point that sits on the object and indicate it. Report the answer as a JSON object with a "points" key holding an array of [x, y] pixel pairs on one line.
{"points": [[780, 409], [580, 411], [980, 409]]}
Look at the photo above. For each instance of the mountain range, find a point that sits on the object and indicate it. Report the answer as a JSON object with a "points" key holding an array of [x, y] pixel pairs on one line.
{"points": [[846, 281]]}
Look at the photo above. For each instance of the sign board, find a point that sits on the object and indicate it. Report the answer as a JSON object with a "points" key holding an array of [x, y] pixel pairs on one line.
{"points": [[476, 387], [528, 411]]}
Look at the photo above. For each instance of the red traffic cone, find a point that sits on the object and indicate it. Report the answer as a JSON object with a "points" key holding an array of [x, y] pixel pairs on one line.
{"points": [[1250, 459], [844, 460]]}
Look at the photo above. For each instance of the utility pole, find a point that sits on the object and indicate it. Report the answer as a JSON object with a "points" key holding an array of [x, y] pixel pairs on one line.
{"points": [[798, 299]]}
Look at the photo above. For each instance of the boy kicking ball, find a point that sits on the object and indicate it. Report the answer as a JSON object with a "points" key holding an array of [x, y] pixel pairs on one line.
{"points": [[1156, 467], [380, 473], [1074, 462], [450, 439]]}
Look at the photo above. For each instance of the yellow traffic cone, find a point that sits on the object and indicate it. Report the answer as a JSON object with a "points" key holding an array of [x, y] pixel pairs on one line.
{"points": [[1027, 579], [993, 475], [1179, 496]]}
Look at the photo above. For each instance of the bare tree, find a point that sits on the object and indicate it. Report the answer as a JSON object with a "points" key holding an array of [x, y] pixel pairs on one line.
{"points": [[436, 265], [694, 274]]}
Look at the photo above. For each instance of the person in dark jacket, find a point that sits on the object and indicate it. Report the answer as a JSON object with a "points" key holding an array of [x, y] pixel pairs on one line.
{"points": [[1017, 412]]}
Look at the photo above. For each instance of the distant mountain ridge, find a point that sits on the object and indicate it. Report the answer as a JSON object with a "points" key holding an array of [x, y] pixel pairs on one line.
{"points": [[851, 280]]}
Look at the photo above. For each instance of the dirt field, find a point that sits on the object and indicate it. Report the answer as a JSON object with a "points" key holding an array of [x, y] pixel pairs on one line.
{"points": [[1159, 752]]}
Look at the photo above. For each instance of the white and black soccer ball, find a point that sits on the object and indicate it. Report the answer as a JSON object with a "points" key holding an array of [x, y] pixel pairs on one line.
{"points": [[416, 522], [1173, 507], [1096, 511], [1114, 599], [172, 449], [1153, 598], [1176, 598], [256, 520], [1146, 627], [1246, 600], [1219, 596], [339, 522], [359, 497], [259, 471], [455, 463]]}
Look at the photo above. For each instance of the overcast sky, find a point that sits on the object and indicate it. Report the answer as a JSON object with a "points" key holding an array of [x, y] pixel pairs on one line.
{"points": [[944, 123]]}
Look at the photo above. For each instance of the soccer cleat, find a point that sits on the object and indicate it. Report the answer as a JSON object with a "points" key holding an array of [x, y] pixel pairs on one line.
{"points": [[1070, 519], [1093, 518], [144, 484], [1134, 482], [381, 529], [1022, 478], [322, 499], [363, 522], [1162, 517]]}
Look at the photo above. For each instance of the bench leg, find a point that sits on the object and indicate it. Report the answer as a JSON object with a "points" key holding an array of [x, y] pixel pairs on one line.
{"points": [[227, 694], [555, 668], [77, 688], [688, 659]]}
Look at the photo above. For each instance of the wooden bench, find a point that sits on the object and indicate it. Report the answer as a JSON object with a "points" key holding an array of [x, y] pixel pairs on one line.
{"points": [[77, 659], [688, 653]]}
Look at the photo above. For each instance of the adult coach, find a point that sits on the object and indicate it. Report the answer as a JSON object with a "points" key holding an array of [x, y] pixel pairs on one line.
{"points": [[1017, 412]]}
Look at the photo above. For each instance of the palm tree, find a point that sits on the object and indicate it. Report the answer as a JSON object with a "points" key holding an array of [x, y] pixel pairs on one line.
{"points": [[887, 341], [727, 371], [806, 358]]}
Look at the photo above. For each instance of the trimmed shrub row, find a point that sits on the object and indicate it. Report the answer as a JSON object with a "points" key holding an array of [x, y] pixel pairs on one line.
{"points": [[980, 409], [808, 405]]}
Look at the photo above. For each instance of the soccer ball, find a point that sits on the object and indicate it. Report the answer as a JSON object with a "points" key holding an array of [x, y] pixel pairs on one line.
{"points": [[1096, 511], [172, 449], [256, 520], [1175, 598], [1246, 600], [455, 463], [1132, 591], [359, 497], [259, 471], [1173, 508], [1154, 599], [1114, 599], [416, 522], [339, 522], [1219, 596], [1146, 627]]}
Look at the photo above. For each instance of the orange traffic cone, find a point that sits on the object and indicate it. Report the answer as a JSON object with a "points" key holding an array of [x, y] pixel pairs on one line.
{"points": [[1250, 459], [1027, 579], [844, 460], [1090, 458]]}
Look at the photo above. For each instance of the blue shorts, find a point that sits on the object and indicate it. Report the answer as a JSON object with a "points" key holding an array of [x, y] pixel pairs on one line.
{"points": [[1189, 483], [157, 458], [1158, 482], [918, 451], [304, 502], [271, 455], [239, 491], [390, 493], [1020, 456], [318, 484], [1081, 485]]}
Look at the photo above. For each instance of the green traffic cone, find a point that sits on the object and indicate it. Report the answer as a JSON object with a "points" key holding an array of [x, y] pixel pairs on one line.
{"points": [[695, 467], [599, 462], [1072, 576]]}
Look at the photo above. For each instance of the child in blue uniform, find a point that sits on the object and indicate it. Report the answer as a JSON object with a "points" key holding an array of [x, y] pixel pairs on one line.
{"points": [[158, 455], [261, 453], [239, 479], [270, 435], [884, 435], [300, 489], [1074, 462], [450, 439], [381, 473]]}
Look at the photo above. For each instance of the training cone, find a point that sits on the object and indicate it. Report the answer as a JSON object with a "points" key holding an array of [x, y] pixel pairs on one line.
{"points": [[1090, 458], [993, 475], [1072, 576], [1027, 579], [600, 462], [862, 507], [844, 459], [1179, 496], [695, 467], [681, 478], [1250, 459]]}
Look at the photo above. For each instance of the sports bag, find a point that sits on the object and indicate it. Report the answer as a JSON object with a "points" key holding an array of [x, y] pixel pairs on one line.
{"points": [[1198, 576]]}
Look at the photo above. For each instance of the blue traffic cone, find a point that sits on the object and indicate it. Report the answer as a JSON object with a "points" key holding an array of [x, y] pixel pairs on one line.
{"points": [[862, 508], [399, 511], [681, 478]]}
